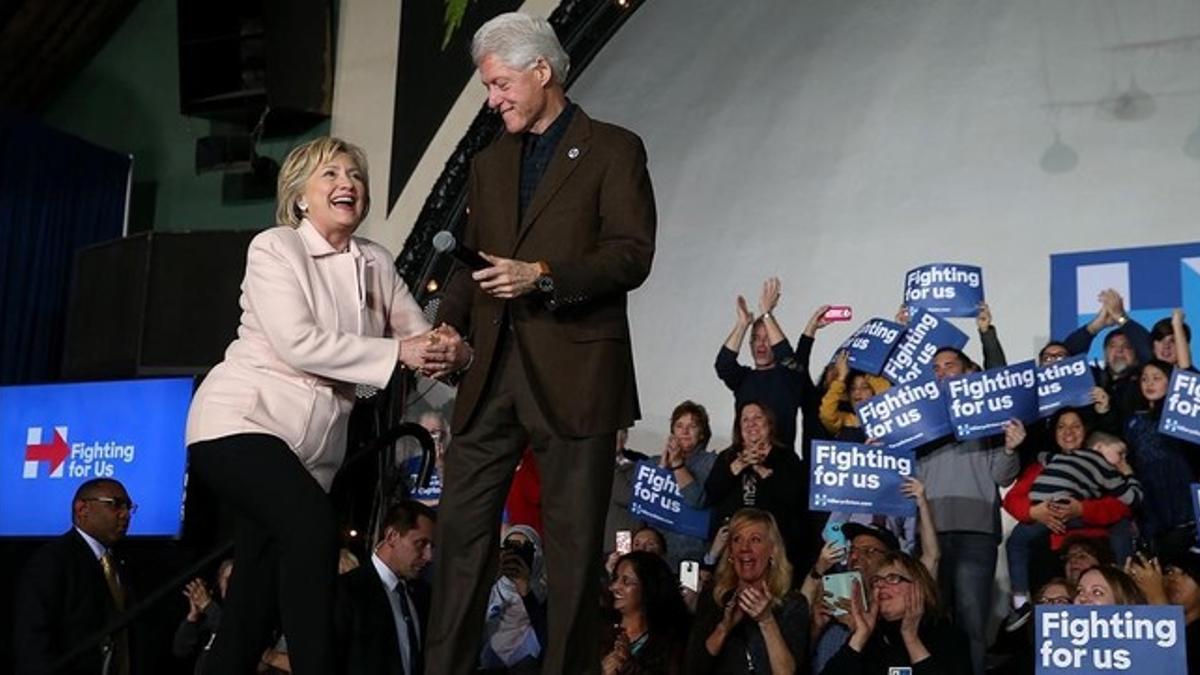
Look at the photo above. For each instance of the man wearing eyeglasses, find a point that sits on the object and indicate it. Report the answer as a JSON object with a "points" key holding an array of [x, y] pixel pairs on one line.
{"points": [[72, 588]]}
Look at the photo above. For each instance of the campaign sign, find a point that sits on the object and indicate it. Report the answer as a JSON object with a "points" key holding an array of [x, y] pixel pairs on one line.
{"points": [[923, 337], [980, 403], [1064, 384], [946, 289], [657, 498], [54, 437], [869, 346], [429, 495], [858, 478], [1181, 408], [907, 415], [1074, 639]]}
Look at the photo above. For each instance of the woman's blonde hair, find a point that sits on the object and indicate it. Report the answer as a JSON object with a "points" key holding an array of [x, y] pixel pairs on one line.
{"points": [[779, 570], [301, 163]]}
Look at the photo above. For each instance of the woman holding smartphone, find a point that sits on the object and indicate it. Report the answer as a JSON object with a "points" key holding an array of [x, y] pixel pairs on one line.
{"points": [[752, 621]]}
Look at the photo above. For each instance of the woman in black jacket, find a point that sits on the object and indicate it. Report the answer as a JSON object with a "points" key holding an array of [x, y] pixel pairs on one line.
{"points": [[903, 626], [757, 472]]}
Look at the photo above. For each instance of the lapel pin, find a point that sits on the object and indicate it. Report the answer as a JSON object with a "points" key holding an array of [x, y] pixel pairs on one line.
{"points": [[572, 153]]}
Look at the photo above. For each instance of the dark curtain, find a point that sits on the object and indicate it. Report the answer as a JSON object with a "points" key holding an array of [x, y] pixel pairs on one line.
{"points": [[58, 194]]}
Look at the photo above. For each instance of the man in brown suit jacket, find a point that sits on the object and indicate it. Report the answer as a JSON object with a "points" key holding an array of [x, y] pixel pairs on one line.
{"points": [[562, 207]]}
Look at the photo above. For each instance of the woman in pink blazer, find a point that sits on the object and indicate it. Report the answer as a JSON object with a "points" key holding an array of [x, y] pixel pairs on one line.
{"points": [[322, 311]]}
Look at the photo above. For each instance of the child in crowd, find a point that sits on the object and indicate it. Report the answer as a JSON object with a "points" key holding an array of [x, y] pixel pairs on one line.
{"points": [[1098, 470]]}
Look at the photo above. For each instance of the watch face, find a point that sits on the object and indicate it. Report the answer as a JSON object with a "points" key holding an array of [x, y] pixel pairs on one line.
{"points": [[545, 284]]}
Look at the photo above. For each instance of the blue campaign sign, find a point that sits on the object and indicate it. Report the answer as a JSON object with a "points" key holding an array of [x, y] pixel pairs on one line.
{"points": [[1181, 408], [429, 495], [54, 437], [923, 337], [907, 415], [1073, 639], [857, 478], [870, 345], [1064, 384], [1153, 280], [656, 498], [945, 289], [980, 403]]}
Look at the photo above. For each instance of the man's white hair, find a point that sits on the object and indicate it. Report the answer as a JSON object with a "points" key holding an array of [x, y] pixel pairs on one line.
{"points": [[518, 40]]}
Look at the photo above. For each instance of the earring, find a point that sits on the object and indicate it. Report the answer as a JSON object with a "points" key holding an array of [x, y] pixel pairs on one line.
{"points": [[303, 207]]}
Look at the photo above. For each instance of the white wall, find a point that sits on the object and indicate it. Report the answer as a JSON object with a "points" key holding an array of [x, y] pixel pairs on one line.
{"points": [[838, 143]]}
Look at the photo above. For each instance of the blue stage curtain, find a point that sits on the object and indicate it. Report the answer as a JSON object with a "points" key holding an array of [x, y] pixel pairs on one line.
{"points": [[58, 194]]}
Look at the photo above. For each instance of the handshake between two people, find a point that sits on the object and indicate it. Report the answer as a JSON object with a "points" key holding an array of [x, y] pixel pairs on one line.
{"points": [[436, 353]]}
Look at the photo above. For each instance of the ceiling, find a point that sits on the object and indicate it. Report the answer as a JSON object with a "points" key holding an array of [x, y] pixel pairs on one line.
{"points": [[43, 43]]}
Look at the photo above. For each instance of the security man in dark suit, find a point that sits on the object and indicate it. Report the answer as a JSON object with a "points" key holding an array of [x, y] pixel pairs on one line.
{"points": [[383, 606], [561, 206], [72, 588]]}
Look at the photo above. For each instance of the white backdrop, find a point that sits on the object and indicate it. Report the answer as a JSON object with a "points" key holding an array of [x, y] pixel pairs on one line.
{"points": [[838, 143]]}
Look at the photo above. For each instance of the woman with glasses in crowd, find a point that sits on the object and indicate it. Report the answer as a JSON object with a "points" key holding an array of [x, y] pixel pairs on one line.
{"points": [[903, 625]]}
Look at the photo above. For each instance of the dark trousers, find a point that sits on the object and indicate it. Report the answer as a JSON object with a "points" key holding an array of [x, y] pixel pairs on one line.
{"points": [[966, 575], [576, 479], [285, 554]]}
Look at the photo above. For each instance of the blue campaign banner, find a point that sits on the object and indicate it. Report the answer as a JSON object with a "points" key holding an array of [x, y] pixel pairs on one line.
{"points": [[1181, 408], [923, 337], [856, 478], [870, 345], [907, 415], [945, 289], [429, 495], [657, 499], [53, 437], [1073, 639], [980, 403], [1064, 384], [1153, 280]]}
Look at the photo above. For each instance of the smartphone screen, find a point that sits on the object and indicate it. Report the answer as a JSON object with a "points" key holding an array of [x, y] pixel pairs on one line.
{"points": [[624, 541], [689, 575], [838, 588]]}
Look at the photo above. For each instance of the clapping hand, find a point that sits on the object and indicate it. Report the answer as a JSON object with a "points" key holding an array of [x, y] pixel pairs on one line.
{"points": [[198, 599]]}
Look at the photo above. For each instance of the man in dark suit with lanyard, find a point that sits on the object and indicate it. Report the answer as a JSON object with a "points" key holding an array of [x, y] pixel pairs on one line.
{"points": [[561, 206], [72, 588], [382, 604]]}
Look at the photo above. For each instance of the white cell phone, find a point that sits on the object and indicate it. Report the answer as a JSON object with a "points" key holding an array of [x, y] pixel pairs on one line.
{"points": [[624, 541], [689, 575]]}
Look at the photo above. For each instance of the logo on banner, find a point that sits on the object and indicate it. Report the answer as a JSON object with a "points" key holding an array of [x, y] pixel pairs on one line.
{"points": [[84, 460], [860, 478], [870, 345], [980, 403], [1181, 408], [922, 339], [906, 415], [1064, 384], [657, 497], [1127, 638], [946, 289], [53, 453]]}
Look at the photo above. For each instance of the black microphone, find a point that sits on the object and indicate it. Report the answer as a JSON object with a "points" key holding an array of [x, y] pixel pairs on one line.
{"points": [[444, 242]]}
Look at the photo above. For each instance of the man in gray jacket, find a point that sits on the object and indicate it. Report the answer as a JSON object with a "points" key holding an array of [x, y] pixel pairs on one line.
{"points": [[962, 481]]}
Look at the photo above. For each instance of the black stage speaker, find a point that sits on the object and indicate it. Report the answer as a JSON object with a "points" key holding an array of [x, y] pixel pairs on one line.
{"points": [[158, 303], [238, 58]]}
